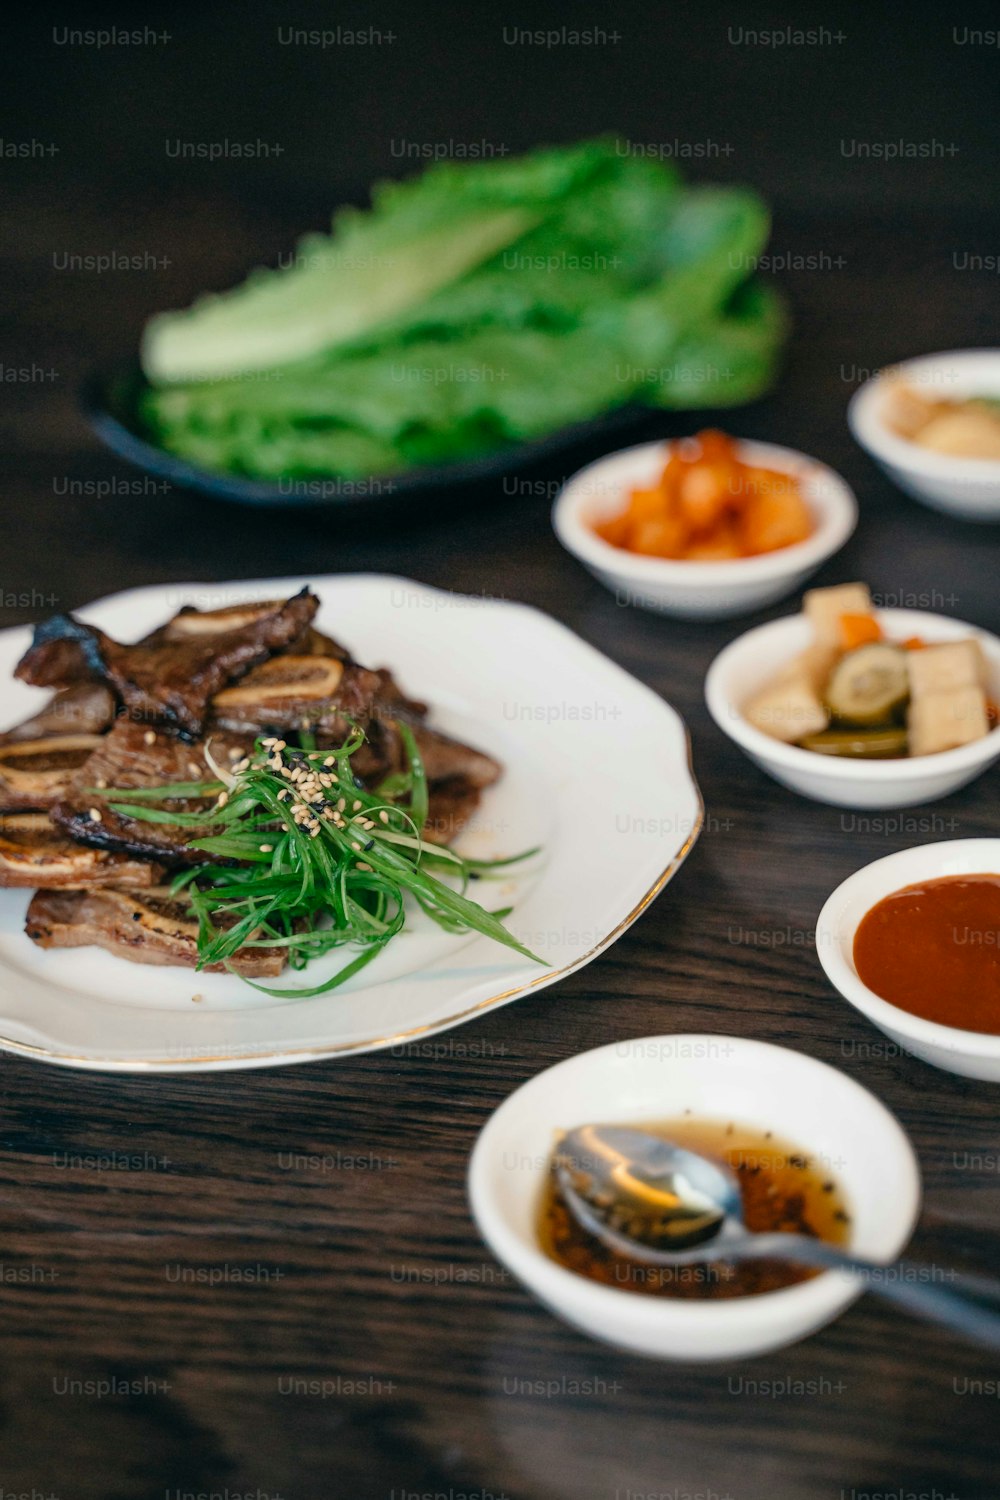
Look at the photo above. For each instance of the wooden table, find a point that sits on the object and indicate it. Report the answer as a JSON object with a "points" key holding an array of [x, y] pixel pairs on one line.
{"points": [[276, 1271]]}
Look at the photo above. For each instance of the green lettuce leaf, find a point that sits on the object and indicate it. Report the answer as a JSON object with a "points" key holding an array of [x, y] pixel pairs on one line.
{"points": [[624, 287]]}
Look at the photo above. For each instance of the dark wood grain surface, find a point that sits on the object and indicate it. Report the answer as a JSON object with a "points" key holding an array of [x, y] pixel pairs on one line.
{"points": [[268, 1283]]}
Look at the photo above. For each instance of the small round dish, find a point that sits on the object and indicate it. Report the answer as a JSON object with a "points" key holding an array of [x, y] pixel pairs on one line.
{"points": [[699, 590], [748, 662], [654, 1078], [972, 1054], [966, 487]]}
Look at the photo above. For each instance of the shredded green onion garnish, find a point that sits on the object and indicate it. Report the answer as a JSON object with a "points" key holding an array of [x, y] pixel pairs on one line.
{"points": [[307, 859]]}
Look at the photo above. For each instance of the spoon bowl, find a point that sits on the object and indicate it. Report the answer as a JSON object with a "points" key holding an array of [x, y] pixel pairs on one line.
{"points": [[645, 1197], [644, 1187]]}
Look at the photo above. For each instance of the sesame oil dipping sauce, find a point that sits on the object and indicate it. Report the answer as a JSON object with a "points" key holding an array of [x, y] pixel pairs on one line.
{"points": [[782, 1188], [933, 949]]}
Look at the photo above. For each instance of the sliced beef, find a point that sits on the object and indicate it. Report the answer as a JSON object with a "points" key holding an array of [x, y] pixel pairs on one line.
{"points": [[326, 694], [146, 927], [36, 773], [63, 651], [135, 755], [448, 760], [320, 693], [450, 805], [190, 623], [168, 678], [87, 708], [34, 853]]}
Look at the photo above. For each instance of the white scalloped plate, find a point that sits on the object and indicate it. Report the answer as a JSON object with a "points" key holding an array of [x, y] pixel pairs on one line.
{"points": [[597, 771]]}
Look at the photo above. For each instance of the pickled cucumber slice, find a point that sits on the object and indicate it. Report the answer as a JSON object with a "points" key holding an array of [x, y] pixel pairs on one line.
{"points": [[858, 744], [869, 685]]}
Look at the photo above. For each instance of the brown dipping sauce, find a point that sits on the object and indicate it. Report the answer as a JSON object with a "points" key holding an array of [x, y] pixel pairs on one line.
{"points": [[933, 949], [782, 1188]]}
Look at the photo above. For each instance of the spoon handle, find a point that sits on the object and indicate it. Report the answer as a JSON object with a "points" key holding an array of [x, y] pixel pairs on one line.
{"points": [[964, 1305]]}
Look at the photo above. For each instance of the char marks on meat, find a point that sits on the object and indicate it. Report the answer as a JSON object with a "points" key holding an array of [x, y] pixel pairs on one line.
{"points": [[136, 756], [34, 853], [146, 927], [63, 652], [169, 677]]}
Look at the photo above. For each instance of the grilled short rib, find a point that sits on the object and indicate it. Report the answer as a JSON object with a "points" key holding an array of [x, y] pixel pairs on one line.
{"points": [[327, 692], [146, 927], [34, 853], [167, 678], [86, 708], [34, 774], [137, 756]]}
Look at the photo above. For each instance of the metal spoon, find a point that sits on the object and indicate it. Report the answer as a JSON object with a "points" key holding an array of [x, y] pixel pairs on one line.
{"points": [[653, 1201]]}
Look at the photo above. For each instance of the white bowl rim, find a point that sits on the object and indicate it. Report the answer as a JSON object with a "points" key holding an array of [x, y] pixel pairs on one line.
{"points": [[548, 1277], [831, 941], [904, 768], [869, 428], [833, 503]]}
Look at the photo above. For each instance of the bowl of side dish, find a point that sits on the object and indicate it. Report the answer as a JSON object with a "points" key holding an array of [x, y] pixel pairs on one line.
{"points": [[905, 714], [938, 907], [933, 425], [705, 527], [847, 1135]]}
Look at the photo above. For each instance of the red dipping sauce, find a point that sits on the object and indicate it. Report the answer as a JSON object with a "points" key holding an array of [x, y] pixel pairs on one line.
{"points": [[933, 949]]}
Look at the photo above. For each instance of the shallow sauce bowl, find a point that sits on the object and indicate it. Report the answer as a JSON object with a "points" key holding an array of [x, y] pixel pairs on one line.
{"points": [[699, 590], [972, 1054], [657, 1078], [752, 660]]}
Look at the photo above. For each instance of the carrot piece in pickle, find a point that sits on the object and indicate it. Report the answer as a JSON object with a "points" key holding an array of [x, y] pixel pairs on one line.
{"points": [[858, 630]]}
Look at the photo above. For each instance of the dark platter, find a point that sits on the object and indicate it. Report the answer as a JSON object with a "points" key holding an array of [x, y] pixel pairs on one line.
{"points": [[110, 402]]}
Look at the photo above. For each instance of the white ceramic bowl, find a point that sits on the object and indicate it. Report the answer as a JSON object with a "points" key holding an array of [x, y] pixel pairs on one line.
{"points": [[699, 590], [753, 659], [970, 1053], [651, 1079], [966, 487]]}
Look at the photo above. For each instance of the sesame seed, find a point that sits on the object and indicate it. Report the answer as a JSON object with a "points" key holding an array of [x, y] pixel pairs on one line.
{"points": [[283, 794], [267, 848], [149, 738], [362, 866], [101, 782], [95, 816], [269, 742], [331, 760], [356, 845], [384, 816], [341, 805], [356, 807]]}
